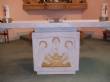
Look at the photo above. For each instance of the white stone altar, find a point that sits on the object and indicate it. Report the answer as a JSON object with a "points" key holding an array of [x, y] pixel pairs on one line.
{"points": [[60, 30], [56, 49], [56, 52]]}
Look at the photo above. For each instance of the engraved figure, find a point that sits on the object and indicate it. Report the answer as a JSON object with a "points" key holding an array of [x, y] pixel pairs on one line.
{"points": [[68, 44], [56, 58], [43, 44]]}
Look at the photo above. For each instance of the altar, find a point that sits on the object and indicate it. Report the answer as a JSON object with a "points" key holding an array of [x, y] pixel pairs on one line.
{"points": [[56, 46]]}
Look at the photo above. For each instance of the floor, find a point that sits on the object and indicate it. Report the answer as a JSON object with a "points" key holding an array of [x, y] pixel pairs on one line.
{"points": [[16, 63]]}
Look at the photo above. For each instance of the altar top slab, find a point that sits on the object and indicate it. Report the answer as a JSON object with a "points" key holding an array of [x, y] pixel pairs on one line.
{"points": [[64, 23], [47, 21]]}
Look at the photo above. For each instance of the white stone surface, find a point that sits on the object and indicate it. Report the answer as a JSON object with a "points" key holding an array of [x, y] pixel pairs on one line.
{"points": [[71, 51], [72, 23], [76, 24]]}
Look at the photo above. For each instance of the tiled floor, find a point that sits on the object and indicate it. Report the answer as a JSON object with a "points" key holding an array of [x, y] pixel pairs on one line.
{"points": [[16, 63]]}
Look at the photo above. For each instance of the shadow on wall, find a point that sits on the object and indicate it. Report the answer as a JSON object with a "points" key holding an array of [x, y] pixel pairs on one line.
{"points": [[56, 13]]}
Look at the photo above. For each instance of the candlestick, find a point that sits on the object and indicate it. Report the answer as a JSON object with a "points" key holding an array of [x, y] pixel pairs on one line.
{"points": [[6, 18], [6, 11], [104, 11]]}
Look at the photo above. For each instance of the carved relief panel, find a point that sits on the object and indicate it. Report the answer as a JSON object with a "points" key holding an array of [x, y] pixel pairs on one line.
{"points": [[54, 4], [56, 52]]}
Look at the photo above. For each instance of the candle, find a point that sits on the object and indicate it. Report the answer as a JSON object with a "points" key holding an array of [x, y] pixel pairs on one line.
{"points": [[104, 10], [6, 11]]}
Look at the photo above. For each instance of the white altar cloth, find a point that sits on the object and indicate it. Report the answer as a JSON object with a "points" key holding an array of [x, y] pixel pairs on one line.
{"points": [[72, 23]]}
